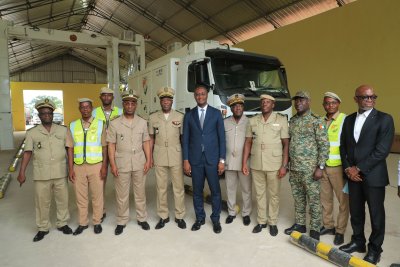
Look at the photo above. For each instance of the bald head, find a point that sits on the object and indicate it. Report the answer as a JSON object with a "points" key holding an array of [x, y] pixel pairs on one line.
{"points": [[365, 98], [362, 88]]}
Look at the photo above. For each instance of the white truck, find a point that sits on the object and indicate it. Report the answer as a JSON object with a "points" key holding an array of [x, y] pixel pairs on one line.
{"points": [[224, 70]]}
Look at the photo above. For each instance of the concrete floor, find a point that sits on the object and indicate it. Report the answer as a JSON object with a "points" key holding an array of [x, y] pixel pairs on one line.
{"points": [[170, 246]]}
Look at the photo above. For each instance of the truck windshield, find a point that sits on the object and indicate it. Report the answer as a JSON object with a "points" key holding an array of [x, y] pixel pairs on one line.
{"points": [[250, 78]]}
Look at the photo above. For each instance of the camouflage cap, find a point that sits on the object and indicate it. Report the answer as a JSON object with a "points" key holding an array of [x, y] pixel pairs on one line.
{"points": [[234, 99], [332, 95], [265, 96], [45, 103], [165, 92], [106, 90], [131, 94], [302, 94]]}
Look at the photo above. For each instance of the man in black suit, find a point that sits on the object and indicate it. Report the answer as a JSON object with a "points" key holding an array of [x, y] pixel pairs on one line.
{"points": [[204, 155], [366, 139]]}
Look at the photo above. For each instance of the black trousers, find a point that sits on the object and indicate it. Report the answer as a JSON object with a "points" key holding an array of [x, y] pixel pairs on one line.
{"points": [[359, 193]]}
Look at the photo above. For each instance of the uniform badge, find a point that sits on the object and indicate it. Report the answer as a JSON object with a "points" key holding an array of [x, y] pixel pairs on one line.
{"points": [[176, 123], [46, 100]]}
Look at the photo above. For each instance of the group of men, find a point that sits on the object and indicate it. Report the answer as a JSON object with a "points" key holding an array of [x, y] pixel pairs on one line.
{"points": [[337, 154]]}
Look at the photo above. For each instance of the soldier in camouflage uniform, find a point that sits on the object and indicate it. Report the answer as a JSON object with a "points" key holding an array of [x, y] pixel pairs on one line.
{"points": [[308, 152]]}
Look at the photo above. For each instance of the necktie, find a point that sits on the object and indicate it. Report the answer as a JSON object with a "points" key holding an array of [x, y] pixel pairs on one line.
{"points": [[202, 118]]}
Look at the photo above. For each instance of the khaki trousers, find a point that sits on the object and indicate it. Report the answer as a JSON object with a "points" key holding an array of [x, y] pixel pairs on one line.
{"points": [[332, 181], [162, 173], [44, 191], [231, 180], [122, 187], [87, 177], [266, 182]]}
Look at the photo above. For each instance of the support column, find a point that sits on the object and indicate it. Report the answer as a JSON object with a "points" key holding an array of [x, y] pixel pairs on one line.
{"points": [[6, 123]]}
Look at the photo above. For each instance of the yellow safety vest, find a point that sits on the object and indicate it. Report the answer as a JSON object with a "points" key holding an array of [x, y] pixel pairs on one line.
{"points": [[334, 131], [87, 144], [99, 114]]}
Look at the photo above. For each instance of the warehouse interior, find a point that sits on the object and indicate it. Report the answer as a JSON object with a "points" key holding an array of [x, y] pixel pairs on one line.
{"points": [[325, 45]]}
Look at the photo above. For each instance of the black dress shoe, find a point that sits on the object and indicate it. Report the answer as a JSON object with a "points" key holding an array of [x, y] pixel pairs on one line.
{"points": [[98, 229], [246, 220], [259, 227], [197, 225], [119, 229], [273, 230], [65, 229], [353, 247], [144, 225], [229, 219], [339, 239], [181, 223], [327, 231], [314, 234], [161, 223], [39, 236], [80, 229], [217, 227], [102, 218], [372, 257], [296, 227]]}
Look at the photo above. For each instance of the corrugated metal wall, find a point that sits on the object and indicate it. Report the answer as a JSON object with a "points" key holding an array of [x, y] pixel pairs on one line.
{"points": [[63, 69]]}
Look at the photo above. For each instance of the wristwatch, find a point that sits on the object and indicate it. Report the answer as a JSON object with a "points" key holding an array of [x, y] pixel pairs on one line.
{"points": [[222, 161], [321, 167]]}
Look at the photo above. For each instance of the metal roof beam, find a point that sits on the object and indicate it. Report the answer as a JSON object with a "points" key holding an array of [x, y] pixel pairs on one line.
{"points": [[153, 18], [205, 19], [263, 16], [25, 6], [102, 14]]}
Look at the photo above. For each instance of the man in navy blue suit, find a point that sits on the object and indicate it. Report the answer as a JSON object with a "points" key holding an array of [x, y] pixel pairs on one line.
{"points": [[204, 155]]}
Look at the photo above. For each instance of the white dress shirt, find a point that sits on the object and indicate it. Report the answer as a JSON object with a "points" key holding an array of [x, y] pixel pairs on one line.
{"points": [[199, 111], [360, 119]]}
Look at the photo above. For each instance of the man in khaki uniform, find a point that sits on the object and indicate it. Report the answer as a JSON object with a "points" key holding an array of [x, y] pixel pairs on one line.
{"points": [[87, 162], [332, 176], [47, 142], [235, 134], [130, 160], [267, 139], [106, 112], [165, 129]]}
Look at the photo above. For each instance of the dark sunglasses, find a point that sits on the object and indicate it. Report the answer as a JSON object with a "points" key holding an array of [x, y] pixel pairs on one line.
{"points": [[365, 97]]}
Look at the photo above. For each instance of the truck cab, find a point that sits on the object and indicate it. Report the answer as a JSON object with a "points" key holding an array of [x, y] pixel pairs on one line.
{"points": [[224, 70]]}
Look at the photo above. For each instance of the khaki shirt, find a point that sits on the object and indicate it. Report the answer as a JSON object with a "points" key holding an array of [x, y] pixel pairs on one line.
{"points": [[267, 148], [235, 135], [167, 145], [128, 135], [48, 150]]}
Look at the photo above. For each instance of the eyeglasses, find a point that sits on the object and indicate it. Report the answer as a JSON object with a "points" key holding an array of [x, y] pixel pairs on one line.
{"points": [[367, 97]]}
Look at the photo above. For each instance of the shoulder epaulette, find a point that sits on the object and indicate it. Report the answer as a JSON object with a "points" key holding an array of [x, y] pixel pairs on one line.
{"points": [[315, 115], [179, 111], [115, 117], [32, 127], [152, 112], [228, 117]]}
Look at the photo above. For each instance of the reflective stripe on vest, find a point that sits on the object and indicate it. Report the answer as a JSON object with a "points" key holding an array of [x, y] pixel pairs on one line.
{"points": [[87, 146], [334, 131], [98, 113]]}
